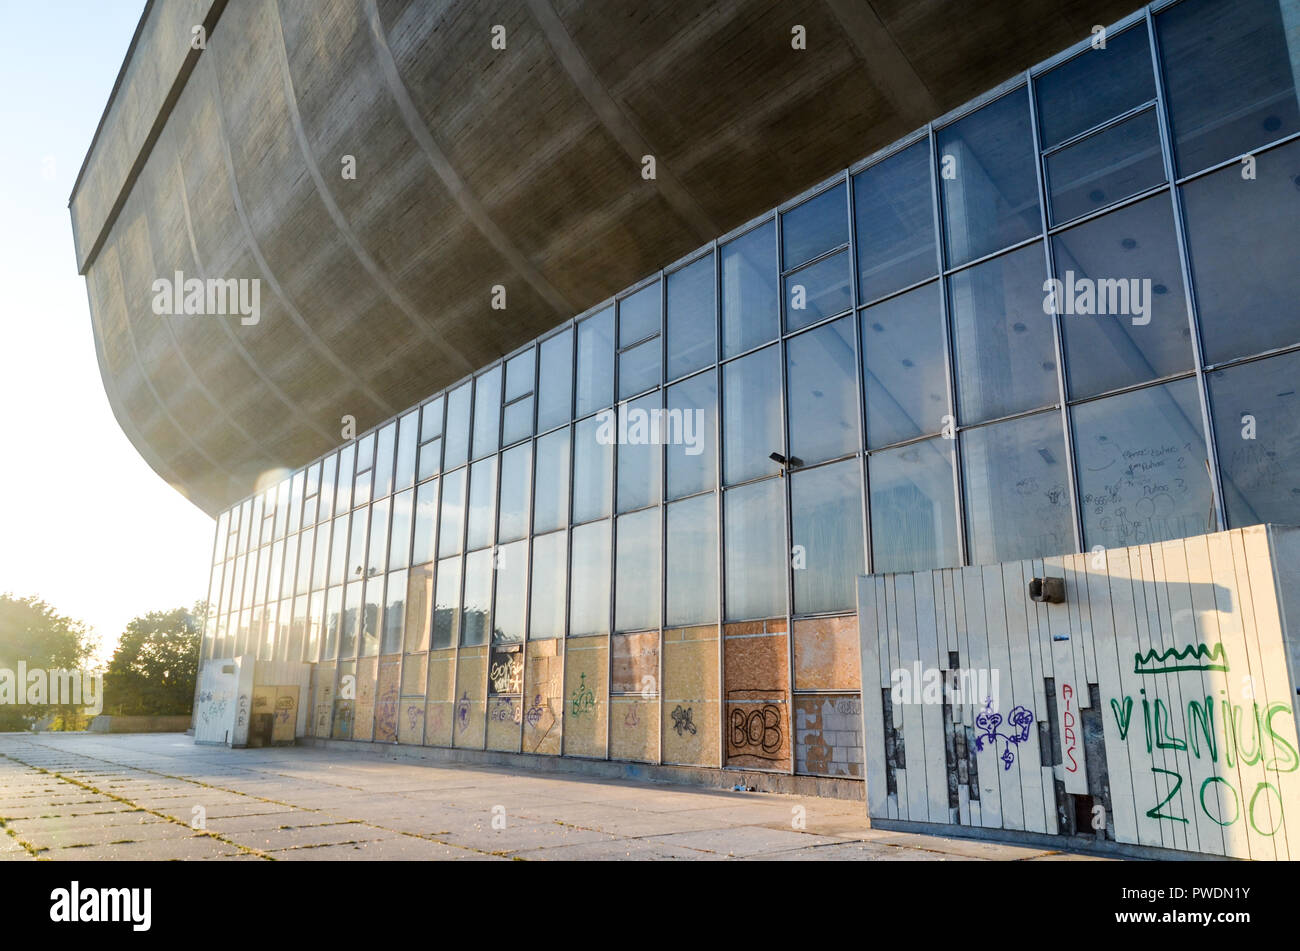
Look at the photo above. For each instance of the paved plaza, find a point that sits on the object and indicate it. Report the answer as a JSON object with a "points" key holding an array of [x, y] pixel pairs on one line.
{"points": [[159, 796]]}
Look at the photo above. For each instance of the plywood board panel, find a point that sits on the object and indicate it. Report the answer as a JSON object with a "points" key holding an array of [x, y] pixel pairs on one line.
{"points": [[471, 698], [363, 723], [440, 709], [636, 663], [505, 715], [826, 654], [544, 696], [634, 727], [691, 719], [387, 694], [756, 668], [586, 679]]}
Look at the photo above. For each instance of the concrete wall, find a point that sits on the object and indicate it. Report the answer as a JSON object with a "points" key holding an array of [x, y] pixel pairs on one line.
{"points": [[230, 691], [1155, 707], [140, 724]]}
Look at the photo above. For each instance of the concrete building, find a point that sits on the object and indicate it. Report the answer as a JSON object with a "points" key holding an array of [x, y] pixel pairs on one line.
{"points": [[554, 370]]}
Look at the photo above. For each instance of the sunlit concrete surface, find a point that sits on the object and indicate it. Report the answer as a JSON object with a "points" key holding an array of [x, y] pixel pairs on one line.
{"points": [[77, 796]]}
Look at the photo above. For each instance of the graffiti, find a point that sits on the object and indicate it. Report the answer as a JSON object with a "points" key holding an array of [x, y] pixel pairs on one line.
{"points": [[507, 676], [631, 718], [760, 728], [213, 706], [413, 712], [284, 708], [1069, 738], [988, 721], [503, 710], [1237, 733], [1175, 661], [462, 711], [533, 715], [682, 720], [242, 717], [583, 700]]}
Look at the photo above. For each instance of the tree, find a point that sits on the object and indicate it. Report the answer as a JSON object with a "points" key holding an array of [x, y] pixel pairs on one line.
{"points": [[156, 663], [32, 632]]}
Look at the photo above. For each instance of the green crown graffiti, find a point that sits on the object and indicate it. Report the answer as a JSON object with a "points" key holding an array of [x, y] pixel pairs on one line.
{"points": [[1172, 661]]}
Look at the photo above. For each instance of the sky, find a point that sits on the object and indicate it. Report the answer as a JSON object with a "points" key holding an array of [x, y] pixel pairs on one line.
{"points": [[86, 525]]}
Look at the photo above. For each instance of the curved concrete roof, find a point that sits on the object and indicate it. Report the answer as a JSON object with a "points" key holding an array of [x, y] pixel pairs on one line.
{"points": [[474, 167]]}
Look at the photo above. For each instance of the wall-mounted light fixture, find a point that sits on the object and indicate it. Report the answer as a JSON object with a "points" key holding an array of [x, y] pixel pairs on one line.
{"points": [[793, 462], [1047, 590]]}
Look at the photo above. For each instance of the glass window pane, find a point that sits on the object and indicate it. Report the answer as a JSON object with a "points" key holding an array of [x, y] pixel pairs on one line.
{"points": [[755, 550], [516, 465], [903, 365], [357, 544], [1094, 86], [426, 507], [1242, 242], [512, 584], [446, 611], [339, 553], [477, 604], [376, 563], [295, 502], [1017, 490], [550, 506], [693, 458], [1123, 267], [333, 621], [302, 578], [816, 226], [354, 608], [913, 508], [826, 527], [455, 440], [750, 309], [519, 375], [365, 452], [639, 459], [638, 369], [636, 597], [290, 564], [595, 362], [517, 421], [593, 470], [987, 179], [1230, 76], [554, 393], [394, 613], [407, 437], [1257, 423], [487, 413], [894, 217], [453, 513], [384, 448], [1006, 354], [818, 291], [1142, 470], [751, 404], [638, 315], [550, 565], [343, 493], [1105, 168], [399, 546], [321, 559], [589, 599], [431, 419], [430, 454], [692, 318], [482, 504], [692, 562], [419, 613], [822, 373], [371, 620], [361, 488]]}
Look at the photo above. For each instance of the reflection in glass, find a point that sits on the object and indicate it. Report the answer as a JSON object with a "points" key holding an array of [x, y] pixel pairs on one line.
{"points": [[376, 563], [692, 562], [595, 363], [755, 551], [512, 523], [826, 526], [453, 513], [487, 412], [517, 421], [1098, 84], [903, 363], [589, 598], [482, 503], [384, 448], [519, 375], [546, 609], [407, 436], [913, 508], [394, 613], [555, 384], [1006, 354], [814, 227], [752, 415], [1261, 475], [419, 608], [693, 459], [821, 374], [357, 544], [399, 545], [512, 585], [1105, 168], [1142, 471], [638, 315], [593, 471], [371, 620], [1017, 490], [639, 464], [894, 218], [818, 291], [446, 611], [426, 507], [455, 441], [989, 188], [1125, 264], [477, 598], [692, 318], [750, 311], [636, 602], [638, 368], [550, 506], [431, 419]]}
